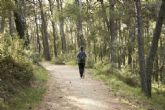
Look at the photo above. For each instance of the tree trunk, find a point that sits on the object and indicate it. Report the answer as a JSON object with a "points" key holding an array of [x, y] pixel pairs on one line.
{"points": [[105, 18], [80, 37], [20, 24], [131, 44], [37, 29], [11, 23], [2, 24], [154, 46], [61, 19], [20, 21], [54, 28], [44, 33], [141, 47], [113, 32]]}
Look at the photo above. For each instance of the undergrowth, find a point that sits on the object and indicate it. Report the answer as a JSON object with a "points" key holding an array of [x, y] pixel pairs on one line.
{"points": [[21, 83], [126, 86], [29, 97]]}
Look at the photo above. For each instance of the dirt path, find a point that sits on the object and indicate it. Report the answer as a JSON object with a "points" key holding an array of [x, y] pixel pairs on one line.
{"points": [[66, 91]]}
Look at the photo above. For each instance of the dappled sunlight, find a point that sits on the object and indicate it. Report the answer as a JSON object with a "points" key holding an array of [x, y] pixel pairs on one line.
{"points": [[87, 101]]}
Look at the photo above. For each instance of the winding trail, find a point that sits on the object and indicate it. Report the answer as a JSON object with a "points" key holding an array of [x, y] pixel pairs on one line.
{"points": [[66, 91]]}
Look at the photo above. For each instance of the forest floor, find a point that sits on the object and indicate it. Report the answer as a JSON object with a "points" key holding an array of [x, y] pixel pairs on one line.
{"points": [[66, 91]]}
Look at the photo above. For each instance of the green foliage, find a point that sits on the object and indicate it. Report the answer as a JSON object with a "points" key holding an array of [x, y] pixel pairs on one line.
{"points": [[126, 91], [90, 63], [14, 76], [28, 97], [71, 11], [35, 57], [17, 73], [59, 60], [6, 5], [125, 74], [40, 74]]}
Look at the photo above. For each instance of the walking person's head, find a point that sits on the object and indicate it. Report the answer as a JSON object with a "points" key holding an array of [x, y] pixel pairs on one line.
{"points": [[81, 48]]}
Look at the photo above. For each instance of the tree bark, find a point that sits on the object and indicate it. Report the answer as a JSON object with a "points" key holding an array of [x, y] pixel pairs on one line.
{"points": [[131, 44], [80, 36], [20, 24], [143, 75], [2, 24], [61, 19], [113, 32], [44, 33], [37, 29], [54, 28], [11, 23], [20, 21], [154, 46]]}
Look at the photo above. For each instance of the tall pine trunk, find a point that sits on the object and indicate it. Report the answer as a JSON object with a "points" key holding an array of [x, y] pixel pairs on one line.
{"points": [[54, 28], [44, 33], [80, 37], [61, 19], [140, 39], [37, 29], [113, 32]]}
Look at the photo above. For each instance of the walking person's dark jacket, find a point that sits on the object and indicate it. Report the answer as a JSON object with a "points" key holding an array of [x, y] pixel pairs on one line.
{"points": [[81, 57]]}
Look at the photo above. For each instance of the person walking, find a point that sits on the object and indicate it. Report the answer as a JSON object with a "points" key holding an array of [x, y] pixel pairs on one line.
{"points": [[81, 57]]}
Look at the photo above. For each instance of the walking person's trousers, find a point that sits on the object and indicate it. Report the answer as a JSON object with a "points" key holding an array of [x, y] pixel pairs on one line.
{"points": [[81, 69]]}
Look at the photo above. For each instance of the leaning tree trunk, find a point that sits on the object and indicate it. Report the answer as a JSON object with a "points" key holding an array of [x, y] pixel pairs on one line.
{"points": [[141, 47], [44, 33], [154, 45]]}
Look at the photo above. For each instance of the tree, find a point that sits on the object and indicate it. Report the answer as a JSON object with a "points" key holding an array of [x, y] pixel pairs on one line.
{"points": [[154, 46], [20, 21], [37, 27], [11, 23], [2, 22], [51, 5], [44, 33], [80, 36], [61, 19], [113, 32], [143, 75]]}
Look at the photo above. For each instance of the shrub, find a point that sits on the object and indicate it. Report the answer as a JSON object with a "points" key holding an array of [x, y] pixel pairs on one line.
{"points": [[125, 74], [15, 66], [14, 75]]}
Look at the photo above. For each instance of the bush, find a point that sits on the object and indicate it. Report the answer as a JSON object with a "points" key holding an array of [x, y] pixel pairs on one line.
{"points": [[14, 75], [90, 63], [16, 71], [36, 57], [60, 60], [125, 74]]}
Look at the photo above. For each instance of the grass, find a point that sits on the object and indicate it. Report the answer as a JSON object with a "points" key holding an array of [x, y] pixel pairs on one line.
{"points": [[132, 95], [29, 97]]}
